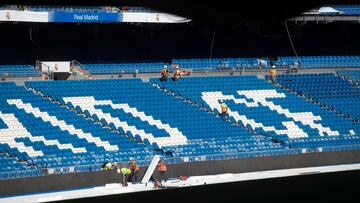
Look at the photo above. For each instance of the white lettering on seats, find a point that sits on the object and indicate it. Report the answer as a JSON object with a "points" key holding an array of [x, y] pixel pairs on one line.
{"points": [[88, 103], [259, 96], [62, 124], [17, 130], [306, 118]]}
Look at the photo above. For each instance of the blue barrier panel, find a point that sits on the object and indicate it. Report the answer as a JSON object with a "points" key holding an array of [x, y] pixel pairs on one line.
{"points": [[84, 17]]}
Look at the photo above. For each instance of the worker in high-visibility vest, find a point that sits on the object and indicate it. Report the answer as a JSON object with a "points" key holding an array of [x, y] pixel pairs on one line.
{"points": [[161, 168], [272, 74], [224, 107], [224, 111], [177, 73], [125, 173], [108, 165], [134, 170], [164, 74]]}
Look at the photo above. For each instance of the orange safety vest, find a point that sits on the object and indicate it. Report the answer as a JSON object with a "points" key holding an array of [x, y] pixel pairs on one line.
{"points": [[133, 166], [224, 108], [161, 166], [272, 72]]}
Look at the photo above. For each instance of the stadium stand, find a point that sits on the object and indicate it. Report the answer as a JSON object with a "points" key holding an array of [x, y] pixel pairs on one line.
{"points": [[268, 110], [117, 68], [320, 61], [43, 133], [219, 63], [18, 70], [89, 122], [327, 89], [42, 8], [347, 9], [136, 9], [144, 112], [215, 64], [45, 8], [351, 75]]}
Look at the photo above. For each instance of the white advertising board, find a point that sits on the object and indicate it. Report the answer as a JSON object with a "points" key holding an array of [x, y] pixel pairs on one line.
{"points": [[55, 66], [142, 17], [23, 16]]}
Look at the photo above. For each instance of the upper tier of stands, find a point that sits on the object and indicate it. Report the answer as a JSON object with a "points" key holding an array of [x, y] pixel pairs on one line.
{"points": [[214, 64], [18, 70], [118, 68], [219, 63], [268, 110], [327, 89], [321, 61], [47, 8], [347, 9]]}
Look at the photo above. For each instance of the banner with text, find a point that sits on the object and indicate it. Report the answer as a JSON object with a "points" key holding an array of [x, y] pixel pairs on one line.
{"points": [[84, 17]]}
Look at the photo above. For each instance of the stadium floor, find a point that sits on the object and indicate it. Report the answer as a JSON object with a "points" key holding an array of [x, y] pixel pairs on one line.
{"points": [[271, 185]]}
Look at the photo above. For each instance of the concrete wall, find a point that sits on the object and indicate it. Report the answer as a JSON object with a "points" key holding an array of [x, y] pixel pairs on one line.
{"points": [[88, 179]]}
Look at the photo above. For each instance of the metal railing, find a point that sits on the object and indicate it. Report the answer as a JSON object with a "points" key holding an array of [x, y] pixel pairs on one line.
{"points": [[39, 65], [78, 67]]}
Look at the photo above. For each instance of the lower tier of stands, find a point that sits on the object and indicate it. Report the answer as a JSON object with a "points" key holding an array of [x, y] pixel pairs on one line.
{"points": [[78, 125]]}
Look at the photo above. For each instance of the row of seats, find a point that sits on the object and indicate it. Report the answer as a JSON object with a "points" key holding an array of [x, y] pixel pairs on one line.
{"points": [[18, 70], [307, 62], [41, 8], [220, 63], [202, 64], [347, 9], [106, 9], [124, 68], [352, 75]]}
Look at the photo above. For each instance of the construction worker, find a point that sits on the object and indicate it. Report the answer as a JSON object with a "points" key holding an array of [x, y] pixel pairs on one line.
{"points": [[108, 165], [272, 73], [177, 73], [161, 168], [125, 172], [224, 110], [164, 74], [134, 170]]}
